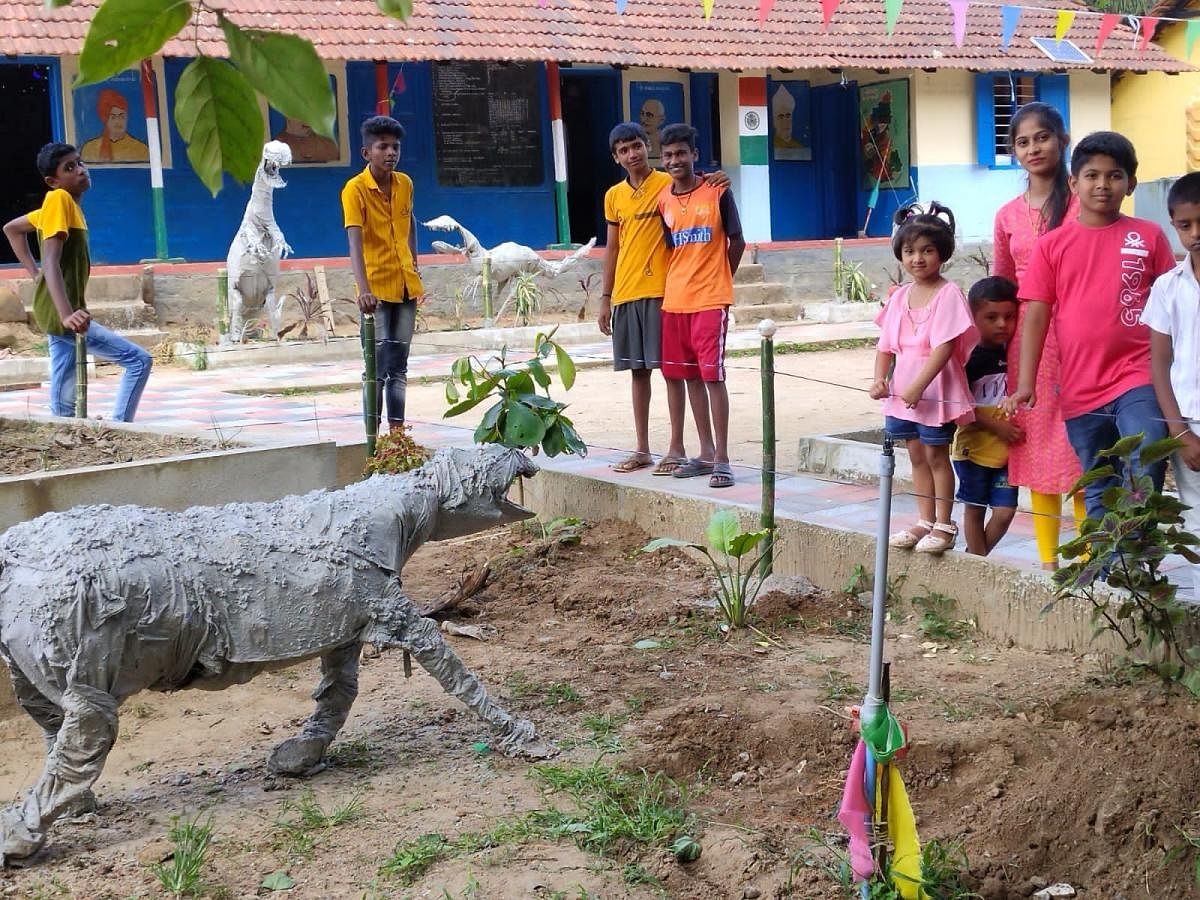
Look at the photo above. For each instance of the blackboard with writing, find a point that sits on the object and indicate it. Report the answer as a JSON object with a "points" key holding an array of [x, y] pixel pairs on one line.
{"points": [[487, 124]]}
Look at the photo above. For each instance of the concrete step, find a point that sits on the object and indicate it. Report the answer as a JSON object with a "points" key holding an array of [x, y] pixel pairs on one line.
{"points": [[746, 317], [122, 315], [748, 273], [100, 289], [759, 294], [148, 337]]}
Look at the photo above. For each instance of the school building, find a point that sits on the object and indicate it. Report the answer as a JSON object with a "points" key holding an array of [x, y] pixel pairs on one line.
{"points": [[823, 132]]}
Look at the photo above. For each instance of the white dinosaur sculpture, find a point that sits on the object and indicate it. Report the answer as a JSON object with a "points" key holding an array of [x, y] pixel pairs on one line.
{"points": [[508, 260], [253, 261]]}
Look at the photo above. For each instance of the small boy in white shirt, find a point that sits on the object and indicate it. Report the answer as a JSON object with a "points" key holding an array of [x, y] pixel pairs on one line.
{"points": [[1173, 316]]}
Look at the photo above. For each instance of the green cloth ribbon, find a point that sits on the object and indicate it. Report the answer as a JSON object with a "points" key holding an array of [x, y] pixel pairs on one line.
{"points": [[883, 735]]}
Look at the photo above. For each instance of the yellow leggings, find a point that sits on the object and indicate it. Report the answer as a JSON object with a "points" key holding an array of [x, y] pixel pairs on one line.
{"points": [[1047, 512]]}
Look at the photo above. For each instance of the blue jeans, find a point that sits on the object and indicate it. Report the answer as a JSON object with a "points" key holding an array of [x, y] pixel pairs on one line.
{"points": [[106, 345], [1135, 412], [394, 323]]}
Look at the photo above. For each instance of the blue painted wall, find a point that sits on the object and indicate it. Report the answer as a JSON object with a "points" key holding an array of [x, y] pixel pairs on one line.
{"points": [[972, 192], [200, 226]]}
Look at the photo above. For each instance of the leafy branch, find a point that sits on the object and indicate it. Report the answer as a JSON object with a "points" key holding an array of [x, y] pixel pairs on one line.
{"points": [[216, 110]]}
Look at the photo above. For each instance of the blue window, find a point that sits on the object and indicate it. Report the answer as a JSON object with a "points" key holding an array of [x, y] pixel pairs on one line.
{"points": [[998, 96]]}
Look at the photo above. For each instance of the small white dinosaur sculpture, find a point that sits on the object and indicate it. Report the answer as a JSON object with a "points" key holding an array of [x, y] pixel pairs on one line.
{"points": [[507, 260], [253, 261]]}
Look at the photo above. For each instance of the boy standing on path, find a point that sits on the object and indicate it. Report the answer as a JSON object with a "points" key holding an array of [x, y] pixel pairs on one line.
{"points": [[377, 205], [59, 304], [705, 236], [1092, 277], [1173, 315]]}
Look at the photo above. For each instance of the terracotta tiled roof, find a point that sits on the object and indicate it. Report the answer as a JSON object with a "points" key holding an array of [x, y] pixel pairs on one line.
{"points": [[669, 33]]}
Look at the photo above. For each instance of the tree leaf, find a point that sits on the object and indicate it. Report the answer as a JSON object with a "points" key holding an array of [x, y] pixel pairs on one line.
{"points": [[566, 367], [492, 416], [279, 881], [540, 375], [522, 427], [1158, 450], [460, 408], [554, 442], [286, 70], [660, 543], [451, 393], [218, 115], [397, 9], [747, 541], [124, 32], [723, 527], [1125, 446]]}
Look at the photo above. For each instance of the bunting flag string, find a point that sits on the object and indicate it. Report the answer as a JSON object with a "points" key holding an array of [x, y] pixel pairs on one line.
{"points": [[1010, 18], [621, 7], [958, 9], [1107, 23], [764, 10], [1148, 24], [1063, 24], [892, 11], [708, 6], [1193, 32], [827, 9]]}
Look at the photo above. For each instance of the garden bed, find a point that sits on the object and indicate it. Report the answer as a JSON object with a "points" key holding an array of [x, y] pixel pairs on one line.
{"points": [[28, 446], [1045, 768]]}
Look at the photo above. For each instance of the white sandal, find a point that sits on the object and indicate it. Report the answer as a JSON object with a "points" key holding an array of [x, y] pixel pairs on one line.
{"points": [[940, 539], [906, 540]]}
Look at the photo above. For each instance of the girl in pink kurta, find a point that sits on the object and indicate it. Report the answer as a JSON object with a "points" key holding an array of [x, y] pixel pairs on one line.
{"points": [[1044, 462], [927, 334]]}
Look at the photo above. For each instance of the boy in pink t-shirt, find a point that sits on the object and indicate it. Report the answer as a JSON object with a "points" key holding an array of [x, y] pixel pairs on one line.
{"points": [[1091, 278]]}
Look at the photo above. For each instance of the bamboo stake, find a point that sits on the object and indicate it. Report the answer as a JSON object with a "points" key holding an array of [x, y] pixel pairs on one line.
{"points": [[370, 380], [81, 386], [766, 329]]}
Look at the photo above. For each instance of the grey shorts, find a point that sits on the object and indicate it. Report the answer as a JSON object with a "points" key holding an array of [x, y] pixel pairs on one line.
{"points": [[637, 334]]}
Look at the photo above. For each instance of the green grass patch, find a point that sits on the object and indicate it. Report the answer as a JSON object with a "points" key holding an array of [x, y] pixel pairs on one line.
{"points": [[181, 875], [302, 823], [837, 687], [937, 621]]}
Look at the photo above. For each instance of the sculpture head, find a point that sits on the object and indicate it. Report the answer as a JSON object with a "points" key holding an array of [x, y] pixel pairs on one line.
{"points": [[275, 155], [473, 488]]}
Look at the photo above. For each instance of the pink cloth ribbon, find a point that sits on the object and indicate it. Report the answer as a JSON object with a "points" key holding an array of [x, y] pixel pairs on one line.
{"points": [[855, 813]]}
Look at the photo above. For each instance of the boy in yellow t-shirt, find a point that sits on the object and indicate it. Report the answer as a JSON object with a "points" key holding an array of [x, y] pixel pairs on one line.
{"points": [[980, 450], [377, 206], [59, 304], [635, 274]]}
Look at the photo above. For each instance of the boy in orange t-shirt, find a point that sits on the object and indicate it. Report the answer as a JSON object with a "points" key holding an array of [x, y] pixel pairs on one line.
{"points": [[705, 236]]}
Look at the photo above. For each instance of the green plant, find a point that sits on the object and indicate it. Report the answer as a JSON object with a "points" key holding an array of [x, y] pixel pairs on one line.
{"points": [[837, 687], [521, 416], [396, 452], [850, 282], [526, 297], [738, 583], [412, 859], [586, 283], [313, 314], [180, 876], [301, 823], [1189, 847], [937, 622], [559, 692], [858, 581], [633, 875], [1126, 547]]}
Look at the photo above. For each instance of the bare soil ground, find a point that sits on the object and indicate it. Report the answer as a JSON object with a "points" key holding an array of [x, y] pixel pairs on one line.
{"points": [[27, 447], [1046, 768]]}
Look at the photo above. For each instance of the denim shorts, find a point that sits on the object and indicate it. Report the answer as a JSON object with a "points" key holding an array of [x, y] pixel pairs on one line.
{"points": [[929, 435], [984, 486]]}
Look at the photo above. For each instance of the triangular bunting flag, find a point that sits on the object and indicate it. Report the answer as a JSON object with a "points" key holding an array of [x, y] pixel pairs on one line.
{"points": [[827, 9], [542, 3], [1149, 23], [1063, 24], [1108, 22], [1193, 32], [708, 4], [1010, 17], [764, 10], [958, 9], [892, 10], [621, 7]]}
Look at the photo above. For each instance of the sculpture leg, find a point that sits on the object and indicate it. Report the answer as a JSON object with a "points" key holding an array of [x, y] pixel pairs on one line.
{"points": [[274, 309], [422, 638], [335, 695], [88, 731], [236, 308], [40, 708]]}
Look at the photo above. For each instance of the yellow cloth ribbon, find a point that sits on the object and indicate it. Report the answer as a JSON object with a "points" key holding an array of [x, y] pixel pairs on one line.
{"points": [[902, 829]]}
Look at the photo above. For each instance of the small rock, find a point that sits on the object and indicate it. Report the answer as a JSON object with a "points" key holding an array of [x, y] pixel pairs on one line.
{"points": [[737, 777], [155, 852], [11, 308], [180, 779], [744, 756], [996, 790], [1055, 891], [751, 893]]}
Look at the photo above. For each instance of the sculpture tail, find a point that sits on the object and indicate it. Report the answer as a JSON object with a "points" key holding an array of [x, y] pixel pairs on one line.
{"points": [[566, 262]]}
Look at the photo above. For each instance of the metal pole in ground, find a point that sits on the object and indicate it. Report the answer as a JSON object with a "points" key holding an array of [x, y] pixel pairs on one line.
{"points": [[80, 376], [887, 468], [766, 329], [370, 381]]}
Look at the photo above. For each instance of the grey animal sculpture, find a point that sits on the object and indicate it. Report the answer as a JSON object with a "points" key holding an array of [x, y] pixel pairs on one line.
{"points": [[101, 602]]}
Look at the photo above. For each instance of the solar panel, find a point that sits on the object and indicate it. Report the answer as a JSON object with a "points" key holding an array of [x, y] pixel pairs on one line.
{"points": [[1063, 51]]}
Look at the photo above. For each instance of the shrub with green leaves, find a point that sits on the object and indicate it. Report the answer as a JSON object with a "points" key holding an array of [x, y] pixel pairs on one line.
{"points": [[727, 548], [523, 414], [396, 452], [1126, 548]]}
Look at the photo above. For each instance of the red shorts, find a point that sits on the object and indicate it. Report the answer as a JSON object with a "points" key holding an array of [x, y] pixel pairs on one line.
{"points": [[693, 344]]}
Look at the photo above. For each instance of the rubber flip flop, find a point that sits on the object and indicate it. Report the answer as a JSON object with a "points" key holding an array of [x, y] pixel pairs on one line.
{"points": [[692, 468], [722, 476], [633, 462], [668, 464]]}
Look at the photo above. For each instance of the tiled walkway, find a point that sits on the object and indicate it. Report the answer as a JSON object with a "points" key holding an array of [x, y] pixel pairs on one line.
{"points": [[205, 401]]}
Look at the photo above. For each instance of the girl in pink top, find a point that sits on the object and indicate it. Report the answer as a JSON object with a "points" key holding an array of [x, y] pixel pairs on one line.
{"points": [[1044, 462], [927, 335]]}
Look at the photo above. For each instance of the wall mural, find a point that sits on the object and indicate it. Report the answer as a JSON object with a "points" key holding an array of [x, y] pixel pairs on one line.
{"points": [[883, 119], [110, 121], [791, 121]]}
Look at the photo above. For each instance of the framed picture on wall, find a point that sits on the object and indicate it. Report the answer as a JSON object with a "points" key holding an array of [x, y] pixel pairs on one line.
{"points": [[109, 121], [883, 134], [791, 121], [653, 104], [308, 147]]}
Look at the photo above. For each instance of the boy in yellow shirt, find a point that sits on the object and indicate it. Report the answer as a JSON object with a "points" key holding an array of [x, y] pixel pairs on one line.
{"points": [[377, 205]]}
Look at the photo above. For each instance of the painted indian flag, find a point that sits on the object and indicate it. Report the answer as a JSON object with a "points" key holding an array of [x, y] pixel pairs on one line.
{"points": [[752, 120]]}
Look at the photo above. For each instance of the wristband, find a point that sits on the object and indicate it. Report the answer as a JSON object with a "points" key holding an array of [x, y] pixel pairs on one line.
{"points": [[1181, 434]]}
